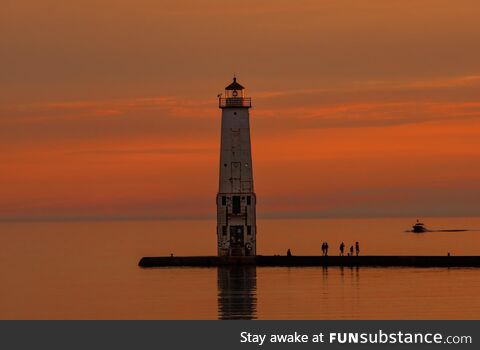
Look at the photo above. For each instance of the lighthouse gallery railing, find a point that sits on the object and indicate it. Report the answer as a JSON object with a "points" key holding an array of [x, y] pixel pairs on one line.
{"points": [[235, 102]]}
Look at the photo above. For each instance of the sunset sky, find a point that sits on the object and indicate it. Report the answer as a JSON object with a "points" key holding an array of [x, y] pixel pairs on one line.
{"points": [[108, 108]]}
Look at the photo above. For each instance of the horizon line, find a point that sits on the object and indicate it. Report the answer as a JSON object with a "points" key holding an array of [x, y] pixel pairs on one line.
{"points": [[204, 218]]}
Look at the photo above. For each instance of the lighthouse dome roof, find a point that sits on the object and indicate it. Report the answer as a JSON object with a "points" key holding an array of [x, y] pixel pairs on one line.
{"points": [[234, 85]]}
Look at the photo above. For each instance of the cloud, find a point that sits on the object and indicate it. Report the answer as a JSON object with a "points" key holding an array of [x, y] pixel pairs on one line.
{"points": [[372, 103], [329, 153], [456, 82], [357, 104], [361, 115], [134, 151]]}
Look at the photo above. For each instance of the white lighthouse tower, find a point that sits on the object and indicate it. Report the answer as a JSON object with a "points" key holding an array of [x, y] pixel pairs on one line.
{"points": [[236, 215]]}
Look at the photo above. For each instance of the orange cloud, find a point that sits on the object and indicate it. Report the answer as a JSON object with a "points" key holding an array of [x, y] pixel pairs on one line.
{"points": [[157, 157]]}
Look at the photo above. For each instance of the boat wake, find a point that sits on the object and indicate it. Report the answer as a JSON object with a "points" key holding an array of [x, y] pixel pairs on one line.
{"points": [[420, 227], [427, 230]]}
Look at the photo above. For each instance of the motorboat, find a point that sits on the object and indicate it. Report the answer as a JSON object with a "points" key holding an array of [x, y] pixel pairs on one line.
{"points": [[419, 227]]}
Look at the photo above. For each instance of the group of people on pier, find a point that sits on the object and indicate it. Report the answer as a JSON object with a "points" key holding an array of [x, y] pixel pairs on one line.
{"points": [[350, 253], [342, 249]]}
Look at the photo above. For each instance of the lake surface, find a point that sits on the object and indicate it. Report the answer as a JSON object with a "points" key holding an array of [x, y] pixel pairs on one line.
{"points": [[88, 270]]}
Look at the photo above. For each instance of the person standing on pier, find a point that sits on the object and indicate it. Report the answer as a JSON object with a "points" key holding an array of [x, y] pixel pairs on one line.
{"points": [[357, 248], [326, 248], [342, 248], [351, 250]]}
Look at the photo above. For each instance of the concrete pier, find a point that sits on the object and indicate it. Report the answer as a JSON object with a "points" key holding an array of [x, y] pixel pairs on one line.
{"points": [[303, 261]]}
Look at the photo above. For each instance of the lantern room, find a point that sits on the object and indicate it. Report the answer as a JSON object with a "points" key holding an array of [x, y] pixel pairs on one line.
{"points": [[234, 90], [234, 97]]}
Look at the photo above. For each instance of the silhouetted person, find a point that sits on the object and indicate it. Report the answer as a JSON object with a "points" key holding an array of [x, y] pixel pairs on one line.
{"points": [[289, 253], [357, 248], [342, 248], [323, 248], [326, 248], [351, 250]]}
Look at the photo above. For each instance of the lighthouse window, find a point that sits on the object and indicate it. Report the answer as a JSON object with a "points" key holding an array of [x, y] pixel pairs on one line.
{"points": [[234, 113], [249, 200], [224, 200], [236, 204], [224, 230], [249, 230]]}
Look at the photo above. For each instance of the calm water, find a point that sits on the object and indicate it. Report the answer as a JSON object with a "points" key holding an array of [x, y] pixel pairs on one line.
{"points": [[88, 270]]}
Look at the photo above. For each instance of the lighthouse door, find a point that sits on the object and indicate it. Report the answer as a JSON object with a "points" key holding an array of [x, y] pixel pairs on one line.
{"points": [[236, 240]]}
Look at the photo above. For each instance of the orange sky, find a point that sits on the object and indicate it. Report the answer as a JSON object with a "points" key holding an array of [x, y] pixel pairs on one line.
{"points": [[361, 108]]}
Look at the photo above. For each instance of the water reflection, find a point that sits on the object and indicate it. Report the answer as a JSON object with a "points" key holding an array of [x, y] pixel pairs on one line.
{"points": [[237, 293]]}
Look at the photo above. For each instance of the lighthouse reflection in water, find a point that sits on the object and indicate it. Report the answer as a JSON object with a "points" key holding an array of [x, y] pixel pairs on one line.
{"points": [[237, 293]]}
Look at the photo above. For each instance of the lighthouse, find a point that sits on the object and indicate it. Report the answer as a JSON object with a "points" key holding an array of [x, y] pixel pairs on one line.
{"points": [[236, 200]]}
